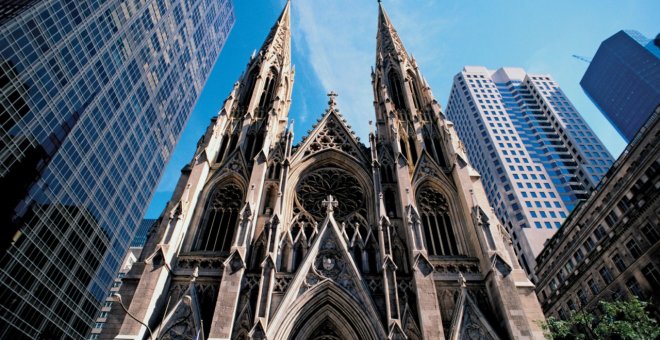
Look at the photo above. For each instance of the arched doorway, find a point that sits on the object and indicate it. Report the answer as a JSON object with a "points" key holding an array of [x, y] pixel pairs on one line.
{"points": [[327, 312]]}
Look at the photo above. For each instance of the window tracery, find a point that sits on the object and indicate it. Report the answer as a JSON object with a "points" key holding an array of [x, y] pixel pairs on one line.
{"points": [[312, 189], [332, 136], [316, 186], [220, 219], [396, 92], [438, 231]]}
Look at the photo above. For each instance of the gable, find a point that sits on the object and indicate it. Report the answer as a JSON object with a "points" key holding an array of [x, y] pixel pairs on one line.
{"points": [[469, 322], [427, 167], [329, 274], [183, 321], [332, 133]]}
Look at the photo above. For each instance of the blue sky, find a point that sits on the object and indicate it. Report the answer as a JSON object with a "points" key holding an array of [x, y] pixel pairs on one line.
{"points": [[334, 44]]}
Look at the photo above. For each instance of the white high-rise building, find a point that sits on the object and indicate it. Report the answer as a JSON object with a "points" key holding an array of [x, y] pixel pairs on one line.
{"points": [[536, 154]]}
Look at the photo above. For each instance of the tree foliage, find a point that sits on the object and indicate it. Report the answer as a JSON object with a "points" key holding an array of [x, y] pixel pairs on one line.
{"points": [[624, 319]]}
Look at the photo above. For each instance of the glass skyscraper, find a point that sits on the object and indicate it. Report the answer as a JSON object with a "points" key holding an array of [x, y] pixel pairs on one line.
{"points": [[536, 155], [94, 96], [623, 80]]}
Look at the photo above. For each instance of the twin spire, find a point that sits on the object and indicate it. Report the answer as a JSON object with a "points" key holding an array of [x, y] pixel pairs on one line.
{"points": [[279, 38]]}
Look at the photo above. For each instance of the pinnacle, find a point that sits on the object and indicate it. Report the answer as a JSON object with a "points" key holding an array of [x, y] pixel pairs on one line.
{"points": [[387, 37], [280, 30]]}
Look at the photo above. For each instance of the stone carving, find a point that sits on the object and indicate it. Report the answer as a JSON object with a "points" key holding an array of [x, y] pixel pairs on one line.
{"points": [[201, 262], [332, 135], [329, 263], [316, 186]]}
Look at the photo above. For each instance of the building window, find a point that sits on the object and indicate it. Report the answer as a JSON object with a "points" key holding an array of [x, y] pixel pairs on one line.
{"points": [[569, 266], [571, 304], [600, 233], [619, 262], [651, 233], [652, 276], [589, 244], [395, 91], [582, 296], [635, 288], [593, 285], [611, 218], [220, 219], [617, 293], [579, 255], [606, 274], [634, 249], [562, 314], [438, 231]]}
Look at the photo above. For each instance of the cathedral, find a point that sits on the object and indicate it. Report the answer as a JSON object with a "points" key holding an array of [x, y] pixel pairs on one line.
{"points": [[328, 238]]}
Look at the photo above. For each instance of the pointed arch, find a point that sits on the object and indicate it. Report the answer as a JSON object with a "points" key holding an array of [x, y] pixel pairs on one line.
{"points": [[439, 234], [327, 303], [258, 251], [396, 91], [266, 99], [248, 88], [220, 218], [416, 93]]}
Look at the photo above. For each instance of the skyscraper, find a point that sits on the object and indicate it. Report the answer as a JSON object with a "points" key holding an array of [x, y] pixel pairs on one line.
{"points": [[94, 96], [623, 80], [330, 238], [536, 155]]}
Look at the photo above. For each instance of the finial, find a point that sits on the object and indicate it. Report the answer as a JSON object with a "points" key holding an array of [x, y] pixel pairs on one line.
{"points": [[330, 204], [332, 102]]}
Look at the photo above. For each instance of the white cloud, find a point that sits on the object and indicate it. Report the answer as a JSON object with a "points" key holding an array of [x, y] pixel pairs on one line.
{"points": [[338, 40]]}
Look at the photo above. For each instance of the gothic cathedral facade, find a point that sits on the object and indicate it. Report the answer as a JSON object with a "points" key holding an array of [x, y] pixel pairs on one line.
{"points": [[328, 238]]}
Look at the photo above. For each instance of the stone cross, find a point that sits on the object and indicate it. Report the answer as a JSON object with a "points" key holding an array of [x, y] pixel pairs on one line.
{"points": [[330, 204], [332, 102]]}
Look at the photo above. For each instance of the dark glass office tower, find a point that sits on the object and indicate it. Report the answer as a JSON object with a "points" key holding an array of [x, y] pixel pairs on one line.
{"points": [[93, 96], [623, 80]]}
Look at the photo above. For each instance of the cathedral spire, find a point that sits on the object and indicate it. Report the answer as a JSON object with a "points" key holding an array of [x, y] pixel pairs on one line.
{"points": [[387, 39], [279, 38]]}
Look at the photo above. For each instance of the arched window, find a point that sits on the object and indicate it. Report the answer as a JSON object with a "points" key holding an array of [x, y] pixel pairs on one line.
{"points": [[220, 219], [249, 88], [413, 149], [274, 169], [438, 152], [270, 200], [417, 98], [386, 171], [396, 93], [390, 203], [267, 94], [223, 148], [438, 231]]}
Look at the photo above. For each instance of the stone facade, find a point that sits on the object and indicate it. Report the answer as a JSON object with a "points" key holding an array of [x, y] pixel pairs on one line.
{"points": [[608, 247], [329, 238]]}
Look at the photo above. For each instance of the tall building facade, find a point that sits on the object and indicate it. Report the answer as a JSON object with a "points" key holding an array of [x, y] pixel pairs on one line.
{"points": [[623, 80], [94, 96], [328, 238], [131, 257], [608, 247], [537, 156]]}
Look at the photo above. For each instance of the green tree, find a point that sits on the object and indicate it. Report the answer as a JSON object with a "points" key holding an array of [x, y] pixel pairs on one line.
{"points": [[624, 320]]}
